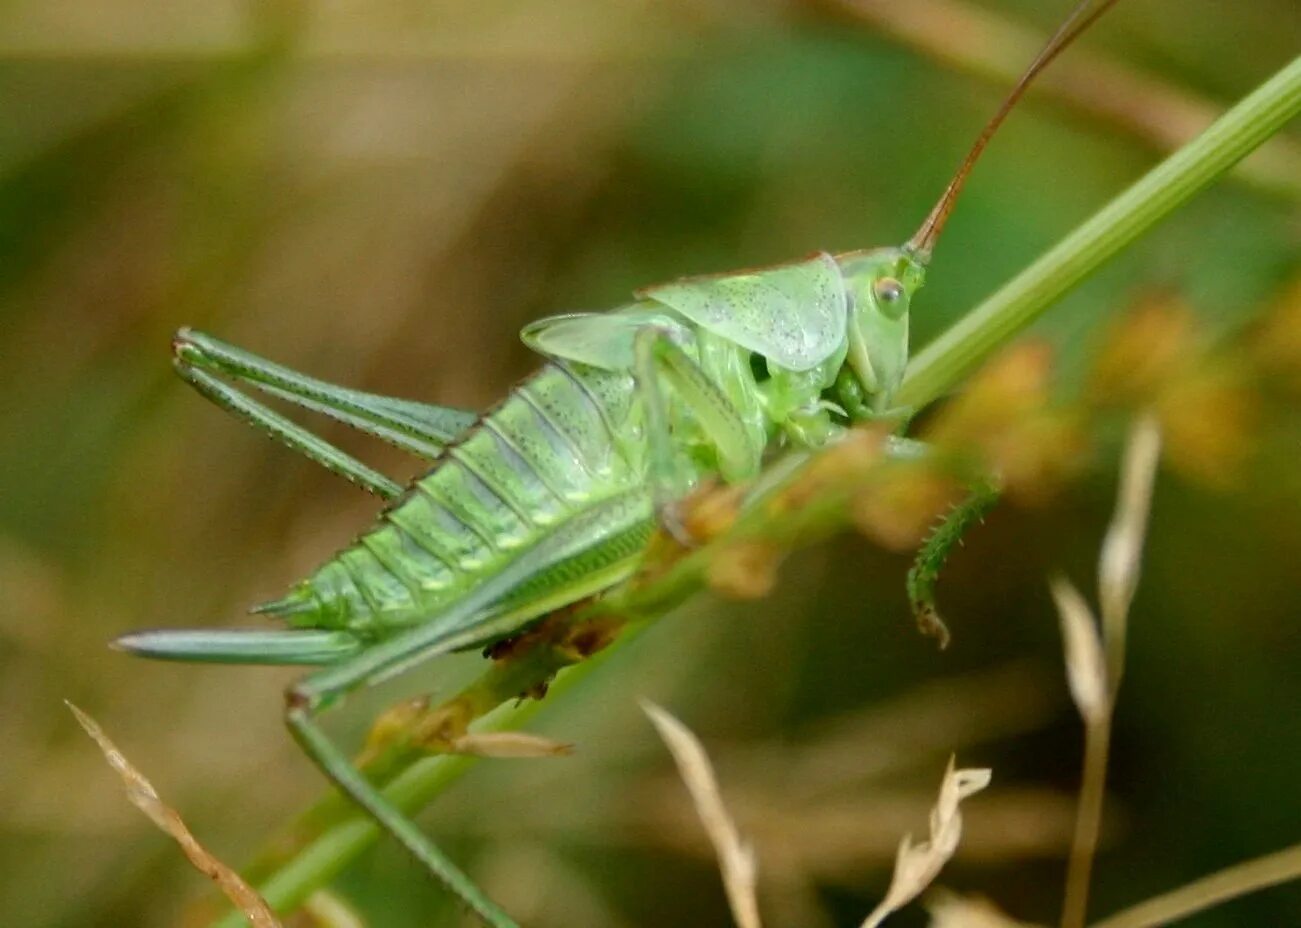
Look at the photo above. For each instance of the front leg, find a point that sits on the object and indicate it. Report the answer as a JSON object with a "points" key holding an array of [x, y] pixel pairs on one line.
{"points": [[859, 407], [812, 428], [946, 535]]}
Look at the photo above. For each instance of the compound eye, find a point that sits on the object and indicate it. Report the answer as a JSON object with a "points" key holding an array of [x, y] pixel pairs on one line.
{"points": [[888, 291]]}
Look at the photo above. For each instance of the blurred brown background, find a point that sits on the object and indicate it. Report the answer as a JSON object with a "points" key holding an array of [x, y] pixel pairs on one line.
{"points": [[381, 194]]}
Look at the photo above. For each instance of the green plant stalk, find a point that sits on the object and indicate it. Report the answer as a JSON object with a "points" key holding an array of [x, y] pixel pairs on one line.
{"points": [[1020, 301], [933, 372]]}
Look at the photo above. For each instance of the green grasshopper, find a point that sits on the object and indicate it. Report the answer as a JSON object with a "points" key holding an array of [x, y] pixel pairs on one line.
{"points": [[552, 496]]}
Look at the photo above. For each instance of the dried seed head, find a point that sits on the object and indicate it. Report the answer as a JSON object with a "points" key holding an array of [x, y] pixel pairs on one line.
{"points": [[744, 569], [711, 512], [1277, 343], [1122, 549], [393, 724], [1006, 422], [1039, 455], [507, 744], [590, 636], [1086, 665], [1010, 386], [899, 508], [917, 865], [1208, 420], [1143, 349], [850, 458]]}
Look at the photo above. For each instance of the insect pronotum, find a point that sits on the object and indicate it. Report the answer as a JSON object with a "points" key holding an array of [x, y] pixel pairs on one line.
{"points": [[551, 497]]}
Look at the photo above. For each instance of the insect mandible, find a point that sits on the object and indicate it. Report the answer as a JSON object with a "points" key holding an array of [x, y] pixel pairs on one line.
{"points": [[552, 496]]}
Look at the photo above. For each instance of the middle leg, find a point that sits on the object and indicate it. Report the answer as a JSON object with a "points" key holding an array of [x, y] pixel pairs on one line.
{"points": [[661, 364]]}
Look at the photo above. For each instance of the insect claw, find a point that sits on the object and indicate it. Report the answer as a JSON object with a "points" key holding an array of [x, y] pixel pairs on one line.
{"points": [[931, 625]]}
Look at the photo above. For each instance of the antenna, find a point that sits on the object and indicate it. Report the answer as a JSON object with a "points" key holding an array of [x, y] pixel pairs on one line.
{"points": [[923, 240]]}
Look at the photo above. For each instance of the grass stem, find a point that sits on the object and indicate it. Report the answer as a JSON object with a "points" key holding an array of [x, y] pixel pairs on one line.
{"points": [[952, 356], [1088, 821]]}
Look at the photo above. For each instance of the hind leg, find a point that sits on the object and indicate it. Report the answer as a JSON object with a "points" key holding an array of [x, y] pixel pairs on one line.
{"points": [[661, 365], [420, 429]]}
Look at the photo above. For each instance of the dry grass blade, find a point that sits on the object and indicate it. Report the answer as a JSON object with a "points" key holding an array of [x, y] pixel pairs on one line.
{"points": [[917, 865], [949, 910], [1238, 880], [145, 798], [1095, 670], [735, 858], [1086, 668], [1122, 550]]}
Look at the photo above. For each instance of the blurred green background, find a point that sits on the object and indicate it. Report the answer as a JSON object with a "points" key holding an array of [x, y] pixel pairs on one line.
{"points": [[381, 194]]}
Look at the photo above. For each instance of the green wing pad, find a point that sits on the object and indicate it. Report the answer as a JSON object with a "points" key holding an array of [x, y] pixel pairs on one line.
{"points": [[600, 340], [795, 315]]}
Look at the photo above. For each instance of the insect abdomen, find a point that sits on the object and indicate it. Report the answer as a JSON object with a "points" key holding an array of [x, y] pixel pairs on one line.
{"points": [[564, 439]]}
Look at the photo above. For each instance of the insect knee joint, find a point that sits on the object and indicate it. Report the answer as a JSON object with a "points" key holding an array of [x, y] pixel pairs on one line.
{"points": [[186, 350], [299, 702]]}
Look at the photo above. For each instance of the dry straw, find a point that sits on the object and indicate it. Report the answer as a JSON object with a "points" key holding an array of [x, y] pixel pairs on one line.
{"points": [[1086, 665], [735, 857], [1230, 883], [1095, 660], [1122, 549], [145, 798], [916, 865], [508, 744], [950, 910]]}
